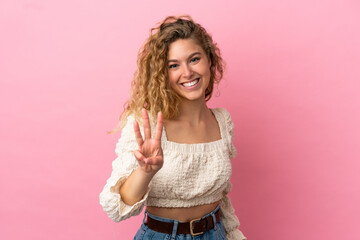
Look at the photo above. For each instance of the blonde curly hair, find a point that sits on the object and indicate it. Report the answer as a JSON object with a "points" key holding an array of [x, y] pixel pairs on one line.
{"points": [[150, 88]]}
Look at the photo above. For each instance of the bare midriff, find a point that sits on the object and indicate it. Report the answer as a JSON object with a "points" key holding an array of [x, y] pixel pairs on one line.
{"points": [[183, 214]]}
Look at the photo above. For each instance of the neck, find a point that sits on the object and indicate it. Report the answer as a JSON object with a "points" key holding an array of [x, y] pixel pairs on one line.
{"points": [[193, 112]]}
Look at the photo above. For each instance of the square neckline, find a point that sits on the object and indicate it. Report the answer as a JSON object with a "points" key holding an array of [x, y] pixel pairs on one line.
{"points": [[216, 142]]}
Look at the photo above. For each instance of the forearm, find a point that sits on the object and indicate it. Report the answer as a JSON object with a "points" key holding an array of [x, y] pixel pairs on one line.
{"points": [[135, 187]]}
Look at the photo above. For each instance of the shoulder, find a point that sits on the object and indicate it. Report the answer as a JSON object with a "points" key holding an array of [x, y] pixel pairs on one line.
{"points": [[129, 123], [127, 141], [226, 117], [228, 127]]}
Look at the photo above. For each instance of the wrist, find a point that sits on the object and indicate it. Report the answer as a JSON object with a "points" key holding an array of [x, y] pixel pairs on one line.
{"points": [[146, 174]]}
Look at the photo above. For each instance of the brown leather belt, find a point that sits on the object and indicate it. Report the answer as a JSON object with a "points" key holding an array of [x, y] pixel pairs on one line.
{"points": [[194, 227]]}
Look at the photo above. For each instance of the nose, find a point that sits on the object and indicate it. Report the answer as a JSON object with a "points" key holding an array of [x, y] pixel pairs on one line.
{"points": [[187, 73]]}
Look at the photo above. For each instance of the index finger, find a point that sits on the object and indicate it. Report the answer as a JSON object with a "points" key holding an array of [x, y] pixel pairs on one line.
{"points": [[138, 136], [159, 126], [147, 127]]}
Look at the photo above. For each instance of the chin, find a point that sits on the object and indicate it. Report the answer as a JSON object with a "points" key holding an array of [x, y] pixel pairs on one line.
{"points": [[193, 98]]}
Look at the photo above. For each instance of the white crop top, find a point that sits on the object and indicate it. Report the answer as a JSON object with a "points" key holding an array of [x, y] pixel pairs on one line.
{"points": [[192, 174]]}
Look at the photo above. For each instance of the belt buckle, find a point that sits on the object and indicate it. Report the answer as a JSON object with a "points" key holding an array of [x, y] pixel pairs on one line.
{"points": [[191, 227]]}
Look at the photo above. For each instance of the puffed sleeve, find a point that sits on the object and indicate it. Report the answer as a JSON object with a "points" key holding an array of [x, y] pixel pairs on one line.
{"points": [[230, 221], [122, 167], [230, 133]]}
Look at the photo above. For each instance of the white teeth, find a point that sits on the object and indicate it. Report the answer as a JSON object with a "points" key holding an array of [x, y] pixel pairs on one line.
{"points": [[191, 83]]}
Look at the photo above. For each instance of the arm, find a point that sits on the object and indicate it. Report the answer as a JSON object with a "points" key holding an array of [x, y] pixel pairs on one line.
{"points": [[150, 159], [230, 221], [128, 187], [122, 167], [136, 186]]}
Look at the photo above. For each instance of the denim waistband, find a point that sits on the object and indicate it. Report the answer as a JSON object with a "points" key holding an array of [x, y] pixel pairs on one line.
{"points": [[173, 220]]}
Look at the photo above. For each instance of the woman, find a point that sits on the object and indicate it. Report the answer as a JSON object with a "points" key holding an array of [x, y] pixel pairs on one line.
{"points": [[176, 161]]}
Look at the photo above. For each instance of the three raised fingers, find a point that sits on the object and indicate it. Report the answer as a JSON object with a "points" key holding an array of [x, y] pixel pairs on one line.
{"points": [[147, 128]]}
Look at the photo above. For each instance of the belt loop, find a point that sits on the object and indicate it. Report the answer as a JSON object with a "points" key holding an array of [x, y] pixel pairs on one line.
{"points": [[173, 235], [145, 216], [214, 220], [214, 217]]}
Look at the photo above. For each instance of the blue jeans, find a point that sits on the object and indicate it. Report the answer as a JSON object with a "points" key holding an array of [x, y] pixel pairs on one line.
{"points": [[145, 233]]}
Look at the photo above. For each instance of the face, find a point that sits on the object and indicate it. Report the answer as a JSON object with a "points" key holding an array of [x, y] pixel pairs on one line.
{"points": [[188, 69]]}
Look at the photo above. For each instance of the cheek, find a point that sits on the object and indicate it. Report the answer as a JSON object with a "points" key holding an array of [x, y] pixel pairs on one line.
{"points": [[206, 72], [172, 78], [204, 69]]}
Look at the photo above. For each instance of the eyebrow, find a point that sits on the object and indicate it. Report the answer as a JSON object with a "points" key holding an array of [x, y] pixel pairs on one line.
{"points": [[191, 55]]}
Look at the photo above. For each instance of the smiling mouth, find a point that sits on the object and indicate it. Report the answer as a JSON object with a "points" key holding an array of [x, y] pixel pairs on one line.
{"points": [[192, 83]]}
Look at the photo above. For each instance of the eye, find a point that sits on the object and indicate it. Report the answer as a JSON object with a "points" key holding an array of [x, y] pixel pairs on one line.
{"points": [[195, 59], [172, 65]]}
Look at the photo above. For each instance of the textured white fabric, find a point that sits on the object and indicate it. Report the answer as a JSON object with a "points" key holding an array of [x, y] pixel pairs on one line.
{"points": [[192, 174]]}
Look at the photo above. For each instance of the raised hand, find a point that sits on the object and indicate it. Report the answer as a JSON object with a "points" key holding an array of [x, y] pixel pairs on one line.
{"points": [[150, 154]]}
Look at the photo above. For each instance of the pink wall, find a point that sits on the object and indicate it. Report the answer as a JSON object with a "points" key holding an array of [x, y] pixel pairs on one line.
{"points": [[292, 86]]}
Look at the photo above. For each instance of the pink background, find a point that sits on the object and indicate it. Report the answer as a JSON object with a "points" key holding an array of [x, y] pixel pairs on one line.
{"points": [[292, 86]]}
